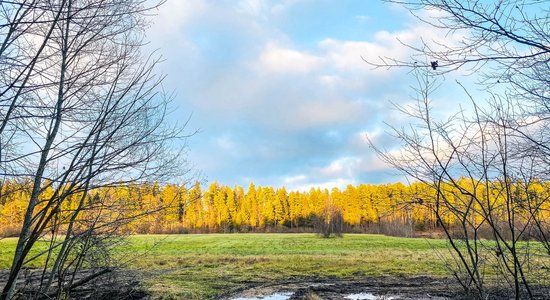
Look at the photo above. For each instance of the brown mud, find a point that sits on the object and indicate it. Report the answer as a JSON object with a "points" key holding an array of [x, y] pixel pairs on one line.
{"points": [[115, 284], [123, 284], [386, 287]]}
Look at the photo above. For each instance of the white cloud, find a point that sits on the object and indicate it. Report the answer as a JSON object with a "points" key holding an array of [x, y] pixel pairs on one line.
{"points": [[252, 7], [304, 183], [277, 106], [278, 59], [293, 180], [284, 5], [372, 163], [342, 166], [316, 113], [346, 55], [352, 166], [364, 137], [351, 55], [339, 183], [338, 173], [226, 144], [174, 14], [362, 18]]}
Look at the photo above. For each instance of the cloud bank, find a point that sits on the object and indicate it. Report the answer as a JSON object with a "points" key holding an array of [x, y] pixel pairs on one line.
{"points": [[281, 91]]}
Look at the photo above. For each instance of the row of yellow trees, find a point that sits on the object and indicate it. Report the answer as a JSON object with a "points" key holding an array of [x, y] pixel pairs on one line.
{"points": [[177, 208]]}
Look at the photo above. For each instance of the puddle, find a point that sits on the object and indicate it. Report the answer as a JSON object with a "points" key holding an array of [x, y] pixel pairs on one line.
{"points": [[369, 296], [276, 296]]}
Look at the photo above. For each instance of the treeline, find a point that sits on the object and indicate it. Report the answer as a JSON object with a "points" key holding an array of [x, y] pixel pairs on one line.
{"points": [[384, 208]]}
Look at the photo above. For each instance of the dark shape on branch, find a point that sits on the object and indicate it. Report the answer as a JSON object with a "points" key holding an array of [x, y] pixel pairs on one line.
{"points": [[434, 64]]}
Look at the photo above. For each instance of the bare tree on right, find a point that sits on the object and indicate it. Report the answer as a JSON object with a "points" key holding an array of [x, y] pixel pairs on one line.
{"points": [[487, 163]]}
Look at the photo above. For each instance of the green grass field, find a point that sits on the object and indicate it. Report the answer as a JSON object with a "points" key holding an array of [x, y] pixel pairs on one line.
{"points": [[203, 266]]}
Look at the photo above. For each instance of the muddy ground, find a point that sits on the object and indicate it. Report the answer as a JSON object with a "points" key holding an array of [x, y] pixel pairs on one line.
{"points": [[116, 284], [394, 288], [382, 287], [121, 284]]}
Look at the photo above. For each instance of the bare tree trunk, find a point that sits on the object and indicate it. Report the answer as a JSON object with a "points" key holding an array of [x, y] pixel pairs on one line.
{"points": [[105, 126], [490, 154], [9, 288]]}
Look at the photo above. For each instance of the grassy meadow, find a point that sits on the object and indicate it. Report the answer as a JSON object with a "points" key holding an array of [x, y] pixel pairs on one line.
{"points": [[203, 266]]}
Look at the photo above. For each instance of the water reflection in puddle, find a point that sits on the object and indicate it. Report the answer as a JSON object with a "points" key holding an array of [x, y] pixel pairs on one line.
{"points": [[276, 296], [368, 296]]}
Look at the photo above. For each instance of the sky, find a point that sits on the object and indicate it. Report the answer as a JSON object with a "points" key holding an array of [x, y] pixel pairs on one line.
{"points": [[280, 91]]}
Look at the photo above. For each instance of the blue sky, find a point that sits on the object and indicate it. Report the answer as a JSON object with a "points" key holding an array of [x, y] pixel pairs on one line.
{"points": [[279, 89]]}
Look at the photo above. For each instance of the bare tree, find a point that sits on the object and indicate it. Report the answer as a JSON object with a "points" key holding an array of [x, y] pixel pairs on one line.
{"points": [[330, 223], [479, 182], [487, 165], [81, 108]]}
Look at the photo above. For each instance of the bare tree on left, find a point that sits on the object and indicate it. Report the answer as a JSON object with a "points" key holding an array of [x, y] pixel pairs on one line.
{"points": [[81, 109]]}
